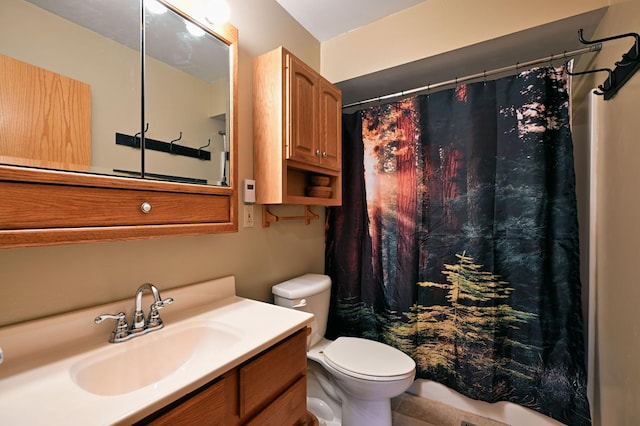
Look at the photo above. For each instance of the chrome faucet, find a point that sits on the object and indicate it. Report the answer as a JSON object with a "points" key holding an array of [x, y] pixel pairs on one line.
{"points": [[123, 332]]}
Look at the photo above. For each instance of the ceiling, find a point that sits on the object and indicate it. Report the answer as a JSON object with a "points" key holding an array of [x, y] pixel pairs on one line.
{"points": [[326, 19]]}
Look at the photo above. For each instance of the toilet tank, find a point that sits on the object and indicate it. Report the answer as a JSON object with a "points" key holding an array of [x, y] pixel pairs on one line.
{"points": [[309, 293]]}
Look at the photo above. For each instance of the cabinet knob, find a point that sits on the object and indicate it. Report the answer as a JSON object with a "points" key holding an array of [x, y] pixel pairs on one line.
{"points": [[324, 154], [317, 152], [145, 207]]}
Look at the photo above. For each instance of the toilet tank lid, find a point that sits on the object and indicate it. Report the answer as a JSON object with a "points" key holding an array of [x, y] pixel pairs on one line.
{"points": [[302, 286]]}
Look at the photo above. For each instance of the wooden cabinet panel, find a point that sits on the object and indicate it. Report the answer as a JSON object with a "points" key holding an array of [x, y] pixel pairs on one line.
{"points": [[271, 373]]}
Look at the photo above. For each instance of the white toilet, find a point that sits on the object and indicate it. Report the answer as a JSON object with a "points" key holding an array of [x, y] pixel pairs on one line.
{"points": [[351, 380]]}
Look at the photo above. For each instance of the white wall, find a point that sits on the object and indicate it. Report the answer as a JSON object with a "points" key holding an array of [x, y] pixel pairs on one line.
{"points": [[617, 381]]}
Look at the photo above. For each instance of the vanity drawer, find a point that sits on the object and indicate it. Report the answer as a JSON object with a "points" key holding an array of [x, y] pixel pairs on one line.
{"points": [[268, 376], [40, 206], [289, 409]]}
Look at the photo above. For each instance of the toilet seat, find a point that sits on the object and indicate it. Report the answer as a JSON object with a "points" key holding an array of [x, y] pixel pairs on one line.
{"points": [[368, 360]]}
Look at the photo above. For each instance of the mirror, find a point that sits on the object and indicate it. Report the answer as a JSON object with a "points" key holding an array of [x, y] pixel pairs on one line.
{"points": [[77, 95]]}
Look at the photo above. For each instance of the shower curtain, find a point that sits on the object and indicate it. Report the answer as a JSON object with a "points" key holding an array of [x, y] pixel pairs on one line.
{"points": [[457, 240]]}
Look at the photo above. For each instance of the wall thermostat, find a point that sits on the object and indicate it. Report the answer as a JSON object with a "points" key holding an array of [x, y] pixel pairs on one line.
{"points": [[249, 191]]}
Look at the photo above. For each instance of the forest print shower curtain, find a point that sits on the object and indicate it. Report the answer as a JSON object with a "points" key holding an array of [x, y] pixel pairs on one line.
{"points": [[457, 240]]}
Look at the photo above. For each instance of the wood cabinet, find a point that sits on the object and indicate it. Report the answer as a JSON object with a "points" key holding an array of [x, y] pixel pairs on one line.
{"points": [[269, 389], [46, 200], [297, 130]]}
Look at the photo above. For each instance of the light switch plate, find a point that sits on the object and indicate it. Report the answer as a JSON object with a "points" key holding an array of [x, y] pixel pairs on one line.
{"points": [[248, 216]]}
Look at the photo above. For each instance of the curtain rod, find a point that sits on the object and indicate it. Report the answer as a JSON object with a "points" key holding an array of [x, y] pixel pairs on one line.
{"points": [[485, 74]]}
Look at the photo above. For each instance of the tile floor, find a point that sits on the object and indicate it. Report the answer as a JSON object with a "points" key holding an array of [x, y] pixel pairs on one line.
{"points": [[410, 410]]}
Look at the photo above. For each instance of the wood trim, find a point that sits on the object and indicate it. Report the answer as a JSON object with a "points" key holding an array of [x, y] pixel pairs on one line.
{"points": [[59, 236]]}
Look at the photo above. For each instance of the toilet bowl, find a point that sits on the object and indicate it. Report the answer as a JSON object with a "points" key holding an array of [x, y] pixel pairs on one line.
{"points": [[351, 380]]}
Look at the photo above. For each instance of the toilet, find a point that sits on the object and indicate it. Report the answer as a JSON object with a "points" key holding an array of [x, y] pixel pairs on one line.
{"points": [[351, 380]]}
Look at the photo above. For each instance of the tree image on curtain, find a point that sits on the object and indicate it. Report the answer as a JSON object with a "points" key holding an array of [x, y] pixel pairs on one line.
{"points": [[457, 240]]}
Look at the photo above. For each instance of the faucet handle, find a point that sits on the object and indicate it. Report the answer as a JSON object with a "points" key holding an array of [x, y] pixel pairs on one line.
{"points": [[161, 303], [121, 330], [154, 320]]}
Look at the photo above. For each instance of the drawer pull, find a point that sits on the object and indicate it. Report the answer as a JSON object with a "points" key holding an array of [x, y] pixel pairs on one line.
{"points": [[145, 207]]}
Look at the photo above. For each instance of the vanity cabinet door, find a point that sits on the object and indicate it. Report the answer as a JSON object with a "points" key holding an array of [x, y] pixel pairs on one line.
{"points": [[269, 375], [289, 409]]}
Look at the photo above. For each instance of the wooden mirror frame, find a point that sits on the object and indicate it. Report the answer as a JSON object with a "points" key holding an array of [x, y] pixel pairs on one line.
{"points": [[41, 207]]}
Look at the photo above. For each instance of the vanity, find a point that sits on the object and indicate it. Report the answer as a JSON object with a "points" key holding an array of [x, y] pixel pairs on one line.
{"points": [[219, 359]]}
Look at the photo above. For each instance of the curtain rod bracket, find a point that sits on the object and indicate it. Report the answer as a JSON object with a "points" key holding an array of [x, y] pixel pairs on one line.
{"points": [[624, 69]]}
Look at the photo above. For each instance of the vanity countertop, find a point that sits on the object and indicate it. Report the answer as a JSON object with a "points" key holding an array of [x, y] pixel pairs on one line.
{"points": [[37, 384]]}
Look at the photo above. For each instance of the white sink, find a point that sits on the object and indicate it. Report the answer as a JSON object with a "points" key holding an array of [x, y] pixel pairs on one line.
{"points": [[145, 360]]}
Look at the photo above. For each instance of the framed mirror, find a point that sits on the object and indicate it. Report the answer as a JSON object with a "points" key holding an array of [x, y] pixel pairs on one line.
{"points": [[89, 100], [191, 112], [78, 93]]}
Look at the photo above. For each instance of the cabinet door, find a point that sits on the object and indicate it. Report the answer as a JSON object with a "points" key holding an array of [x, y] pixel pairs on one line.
{"points": [[330, 132], [208, 405], [288, 409], [263, 379], [302, 97]]}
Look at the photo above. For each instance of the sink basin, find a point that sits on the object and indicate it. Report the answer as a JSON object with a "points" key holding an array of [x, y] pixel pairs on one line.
{"points": [[145, 360]]}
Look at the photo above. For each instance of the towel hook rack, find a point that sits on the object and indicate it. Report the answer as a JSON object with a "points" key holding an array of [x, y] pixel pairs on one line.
{"points": [[205, 146], [268, 217], [140, 133], [175, 140]]}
